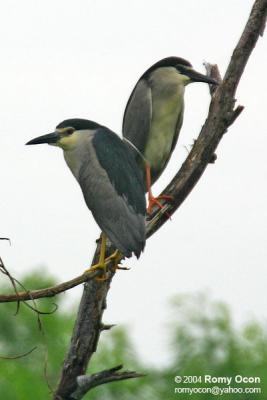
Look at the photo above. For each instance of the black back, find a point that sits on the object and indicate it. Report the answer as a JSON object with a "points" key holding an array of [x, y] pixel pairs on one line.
{"points": [[117, 160]]}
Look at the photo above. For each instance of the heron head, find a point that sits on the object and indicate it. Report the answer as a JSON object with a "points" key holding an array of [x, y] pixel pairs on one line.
{"points": [[184, 69], [190, 75], [67, 134], [61, 137]]}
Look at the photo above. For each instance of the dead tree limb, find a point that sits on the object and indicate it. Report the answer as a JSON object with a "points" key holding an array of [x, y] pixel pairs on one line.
{"points": [[88, 382], [50, 291]]}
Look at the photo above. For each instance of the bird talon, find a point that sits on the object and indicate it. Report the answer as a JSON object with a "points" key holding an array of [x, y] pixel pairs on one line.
{"points": [[98, 267], [116, 257], [166, 197], [103, 262], [154, 201]]}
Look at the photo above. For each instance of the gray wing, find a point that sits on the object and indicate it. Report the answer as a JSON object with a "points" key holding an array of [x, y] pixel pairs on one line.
{"points": [[113, 190], [138, 115]]}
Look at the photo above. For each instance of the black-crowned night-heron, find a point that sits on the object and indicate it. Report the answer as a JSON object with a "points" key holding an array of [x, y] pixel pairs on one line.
{"points": [[110, 180], [154, 115]]}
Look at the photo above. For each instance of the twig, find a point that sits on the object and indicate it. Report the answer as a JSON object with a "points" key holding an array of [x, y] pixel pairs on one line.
{"points": [[236, 112], [88, 382], [7, 240], [46, 371], [48, 292], [106, 327], [12, 280], [19, 356], [213, 71]]}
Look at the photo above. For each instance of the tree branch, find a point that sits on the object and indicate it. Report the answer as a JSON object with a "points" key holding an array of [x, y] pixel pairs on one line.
{"points": [[88, 382], [50, 291]]}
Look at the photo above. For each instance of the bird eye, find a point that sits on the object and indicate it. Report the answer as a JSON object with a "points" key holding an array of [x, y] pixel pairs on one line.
{"points": [[69, 131]]}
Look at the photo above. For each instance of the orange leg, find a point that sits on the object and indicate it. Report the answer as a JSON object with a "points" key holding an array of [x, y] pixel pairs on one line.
{"points": [[153, 201]]}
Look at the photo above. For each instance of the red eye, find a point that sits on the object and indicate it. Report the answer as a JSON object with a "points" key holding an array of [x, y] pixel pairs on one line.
{"points": [[69, 131]]}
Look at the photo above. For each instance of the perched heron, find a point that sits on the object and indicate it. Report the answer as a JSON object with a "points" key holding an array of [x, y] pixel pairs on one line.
{"points": [[153, 116], [110, 180]]}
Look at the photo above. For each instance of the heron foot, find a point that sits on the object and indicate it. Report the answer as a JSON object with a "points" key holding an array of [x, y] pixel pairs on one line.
{"points": [[116, 257], [102, 265], [155, 201], [102, 262], [152, 200]]}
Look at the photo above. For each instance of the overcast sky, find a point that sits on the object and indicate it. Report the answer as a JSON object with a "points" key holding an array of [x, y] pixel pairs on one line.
{"points": [[64, 59]]}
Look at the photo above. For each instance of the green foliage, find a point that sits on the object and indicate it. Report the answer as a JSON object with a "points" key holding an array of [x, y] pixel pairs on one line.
{"points": [[23, 378], [204, 341]]}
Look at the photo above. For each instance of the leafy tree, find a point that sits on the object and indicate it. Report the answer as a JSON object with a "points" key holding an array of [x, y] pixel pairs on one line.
{"points": [[204, 341], [23, 378]]}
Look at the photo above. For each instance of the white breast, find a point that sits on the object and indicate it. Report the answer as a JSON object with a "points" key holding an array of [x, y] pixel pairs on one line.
{"points": [[167, 98]]}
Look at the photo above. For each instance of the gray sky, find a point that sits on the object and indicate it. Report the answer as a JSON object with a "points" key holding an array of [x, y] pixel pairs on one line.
{"points": [[63, 59]]}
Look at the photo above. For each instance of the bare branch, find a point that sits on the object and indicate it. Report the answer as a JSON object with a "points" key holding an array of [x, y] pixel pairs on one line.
{"points": [[6, 239], [50, 291], [106, 327], [236, 112], [18, 356], [88, 382], [86, 332], [213, 71], [4, 271]]}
